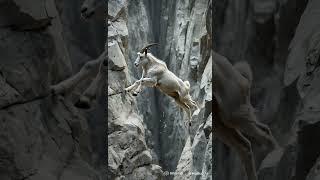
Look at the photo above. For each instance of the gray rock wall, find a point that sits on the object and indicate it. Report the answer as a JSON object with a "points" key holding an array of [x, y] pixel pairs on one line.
{"points": [[280, 41], [186, 48], [46, 137], [183, 31], [130, 150]]}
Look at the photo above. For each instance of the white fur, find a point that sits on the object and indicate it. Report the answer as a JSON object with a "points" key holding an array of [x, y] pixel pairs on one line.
{"points": [[156, 74]]}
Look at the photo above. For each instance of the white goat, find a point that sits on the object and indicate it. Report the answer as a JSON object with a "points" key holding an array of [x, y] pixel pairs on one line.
{"points": [[156, 74]]}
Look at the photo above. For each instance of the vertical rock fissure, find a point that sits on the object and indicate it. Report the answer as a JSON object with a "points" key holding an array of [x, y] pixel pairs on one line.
{"points": [[178, 27], [154, 12]]}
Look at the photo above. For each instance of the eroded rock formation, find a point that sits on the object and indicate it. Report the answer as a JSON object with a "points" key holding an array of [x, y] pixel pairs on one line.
{"points": [[183, 30], [280, 41], [44, 136]]}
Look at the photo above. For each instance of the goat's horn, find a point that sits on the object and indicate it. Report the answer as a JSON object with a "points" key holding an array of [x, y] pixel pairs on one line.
{"points": [[147, 46]]}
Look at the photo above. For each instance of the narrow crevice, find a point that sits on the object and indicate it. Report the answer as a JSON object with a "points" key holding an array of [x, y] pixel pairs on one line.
{"points": [[154, 11], [28, 176], [13, 87]]}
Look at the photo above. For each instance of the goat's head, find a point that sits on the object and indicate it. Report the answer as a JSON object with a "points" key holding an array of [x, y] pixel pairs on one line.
{"points": [[93, 7], [142, 55]]}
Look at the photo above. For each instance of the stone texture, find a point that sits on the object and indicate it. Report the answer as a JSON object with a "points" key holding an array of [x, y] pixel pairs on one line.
{"points": [[314, 172], [116, 58], [180, 28], [186, 49], [280, 41], [130, 157], [208, 167], [184, 168], [47, 137]]}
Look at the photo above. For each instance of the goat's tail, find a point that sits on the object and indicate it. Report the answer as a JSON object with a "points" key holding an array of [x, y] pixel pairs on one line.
{"points": [[186, 83], [245, 70]]}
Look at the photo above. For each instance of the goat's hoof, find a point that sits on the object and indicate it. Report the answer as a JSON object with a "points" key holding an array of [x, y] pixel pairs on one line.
{"points": [[135, 93]]}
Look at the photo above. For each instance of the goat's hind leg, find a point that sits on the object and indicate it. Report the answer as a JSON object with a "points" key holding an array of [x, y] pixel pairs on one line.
{"points": [[185, 107], [235, 140], [192, 103]]}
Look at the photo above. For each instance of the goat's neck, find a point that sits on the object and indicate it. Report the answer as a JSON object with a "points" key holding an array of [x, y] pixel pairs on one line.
{"points": [[152, 59], [152, 62], [155, 61], [147, 66]]}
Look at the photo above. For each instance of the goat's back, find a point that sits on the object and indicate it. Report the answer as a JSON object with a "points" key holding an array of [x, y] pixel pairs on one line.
{"points": [[171, 84]]}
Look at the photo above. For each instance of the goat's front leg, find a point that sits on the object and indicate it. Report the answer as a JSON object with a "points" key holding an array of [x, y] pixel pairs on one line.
{"points": [[132, 87], [135, 85], [149, 82], [138, 89]]}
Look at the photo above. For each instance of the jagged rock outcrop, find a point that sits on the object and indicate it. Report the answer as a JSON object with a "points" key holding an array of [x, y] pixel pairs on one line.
{"points": [[183, 31], [129, 155]]}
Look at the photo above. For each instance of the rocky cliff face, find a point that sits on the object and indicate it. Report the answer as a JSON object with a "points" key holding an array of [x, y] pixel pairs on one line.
{"points": [[185, 38], [129, 155], [159, 142], [44, 136], [280, 41]]}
